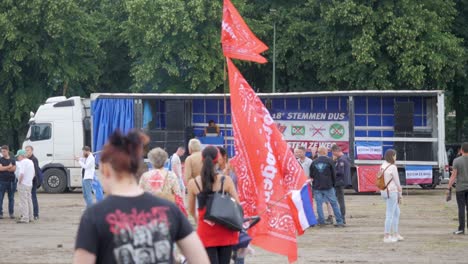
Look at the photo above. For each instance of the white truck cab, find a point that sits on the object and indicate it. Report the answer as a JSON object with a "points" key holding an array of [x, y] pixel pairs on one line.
{"points": [[58, 131]]}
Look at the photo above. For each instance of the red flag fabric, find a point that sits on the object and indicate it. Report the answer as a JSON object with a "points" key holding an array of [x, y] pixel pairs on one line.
{"points": [[366, 177], [237, 40], [266, 168]]}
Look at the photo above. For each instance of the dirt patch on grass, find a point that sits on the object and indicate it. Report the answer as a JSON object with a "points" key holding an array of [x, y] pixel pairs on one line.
{"points": [[426, 223]]}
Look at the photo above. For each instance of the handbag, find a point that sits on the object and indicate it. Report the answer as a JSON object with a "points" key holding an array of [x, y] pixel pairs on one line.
{"points": [[380, 181], [165, 193], [222, 209]]}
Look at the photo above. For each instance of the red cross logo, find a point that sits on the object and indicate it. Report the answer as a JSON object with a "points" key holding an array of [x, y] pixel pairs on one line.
{"points": [[281, 128], [317, 131]]}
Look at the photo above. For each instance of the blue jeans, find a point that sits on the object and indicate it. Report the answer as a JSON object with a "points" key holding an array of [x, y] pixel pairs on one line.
{"points": [[9, 187], [392, 215], [97, 189], [329, 195], [88, 192], [34, 199]]}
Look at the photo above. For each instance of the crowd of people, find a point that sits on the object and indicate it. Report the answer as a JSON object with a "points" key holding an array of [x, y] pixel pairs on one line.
{"points": [[329, 176], [20, 173], [159, 197], [144, 218]]}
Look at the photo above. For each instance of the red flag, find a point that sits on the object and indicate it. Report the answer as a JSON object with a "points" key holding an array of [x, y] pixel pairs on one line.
{"points": [[366, 177], [266, 168], [237, 39]]}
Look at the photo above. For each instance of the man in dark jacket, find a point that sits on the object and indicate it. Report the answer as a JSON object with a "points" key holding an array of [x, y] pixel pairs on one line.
{"points": [[343, 175], [323, 176], [36, 180], [7, 181]]}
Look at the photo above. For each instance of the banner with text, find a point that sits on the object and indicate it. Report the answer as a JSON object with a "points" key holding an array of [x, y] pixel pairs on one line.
{"points": [[314, 145], [369, 150], [312, 130], [418, 174]]}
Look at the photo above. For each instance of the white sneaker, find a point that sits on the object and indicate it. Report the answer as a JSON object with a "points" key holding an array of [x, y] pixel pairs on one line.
{"points": [[399, 238], [250, 251], [390, 239]]}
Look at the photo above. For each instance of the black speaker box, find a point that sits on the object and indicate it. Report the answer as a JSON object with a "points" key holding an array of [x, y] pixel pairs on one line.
{"points": [[175, 115], [171, 147], [404, 116], [157, 135], [176, 136], [415, 151]]}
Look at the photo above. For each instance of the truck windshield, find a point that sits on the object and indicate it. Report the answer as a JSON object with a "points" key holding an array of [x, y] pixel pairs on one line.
{"points": [[39, 132], [28, 135]]}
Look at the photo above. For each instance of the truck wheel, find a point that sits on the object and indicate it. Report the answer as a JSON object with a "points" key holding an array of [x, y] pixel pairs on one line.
{"points": [[433, 185], [428, 186], [55, 181]]}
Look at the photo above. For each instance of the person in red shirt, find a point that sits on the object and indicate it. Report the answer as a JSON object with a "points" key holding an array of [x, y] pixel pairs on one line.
{"points": [[217, 239]]}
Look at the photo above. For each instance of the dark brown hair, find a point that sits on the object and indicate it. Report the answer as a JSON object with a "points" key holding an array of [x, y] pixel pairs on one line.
{"points": [[389, 154], [5, 147], [124, 153], [208, 173], [86, 148], [464, 147], [335, 148]]}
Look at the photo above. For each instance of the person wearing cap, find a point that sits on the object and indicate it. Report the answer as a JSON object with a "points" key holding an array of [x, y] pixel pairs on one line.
{"points": [[26, 173], [87, 163]]}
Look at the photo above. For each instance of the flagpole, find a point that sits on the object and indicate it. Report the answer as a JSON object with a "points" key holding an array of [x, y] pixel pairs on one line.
{"points": [[275, 203], [225, 106], [273, 11]]}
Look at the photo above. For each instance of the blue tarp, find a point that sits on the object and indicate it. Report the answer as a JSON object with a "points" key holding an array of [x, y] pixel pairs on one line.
{"points": [[109, 115], [147, 114]]}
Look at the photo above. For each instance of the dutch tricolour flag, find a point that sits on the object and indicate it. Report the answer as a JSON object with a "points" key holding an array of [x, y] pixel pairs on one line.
{"points": [[418, 174], [301, 204], [369, 150]]}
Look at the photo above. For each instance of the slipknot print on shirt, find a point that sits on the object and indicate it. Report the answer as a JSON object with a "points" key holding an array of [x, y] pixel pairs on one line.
{"points": [[141, 237]]}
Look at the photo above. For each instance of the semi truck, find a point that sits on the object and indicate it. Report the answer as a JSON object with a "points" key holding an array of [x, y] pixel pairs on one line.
{"points": [[363, 123]]}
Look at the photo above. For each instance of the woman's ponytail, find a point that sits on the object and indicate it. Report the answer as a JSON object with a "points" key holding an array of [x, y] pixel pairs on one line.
{"points": [[208, 173]]}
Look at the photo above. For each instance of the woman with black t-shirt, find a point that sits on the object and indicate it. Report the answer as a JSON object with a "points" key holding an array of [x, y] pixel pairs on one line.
{"points": [[131, 226]]}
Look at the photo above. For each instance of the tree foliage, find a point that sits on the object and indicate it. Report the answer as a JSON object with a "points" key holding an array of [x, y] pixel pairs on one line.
{"points": [[46, 46], [71, 47], [175, 44], [385, 44]]}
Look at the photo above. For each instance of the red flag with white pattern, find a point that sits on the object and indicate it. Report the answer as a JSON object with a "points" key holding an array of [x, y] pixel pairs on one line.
{"points": [[237, 39], [266, 168]]}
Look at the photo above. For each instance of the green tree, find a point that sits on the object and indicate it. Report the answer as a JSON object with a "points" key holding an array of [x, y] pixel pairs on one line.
{"points": [[385, 44], [47, 47], [175, 44], [116, 63], [457, 90]]}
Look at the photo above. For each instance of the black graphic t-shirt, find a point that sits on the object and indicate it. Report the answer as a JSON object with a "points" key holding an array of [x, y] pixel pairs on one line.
{"points": [[132, 230]]}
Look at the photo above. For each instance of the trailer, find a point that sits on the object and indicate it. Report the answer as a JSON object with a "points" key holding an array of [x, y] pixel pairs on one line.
{"points": [[364, 123]]}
